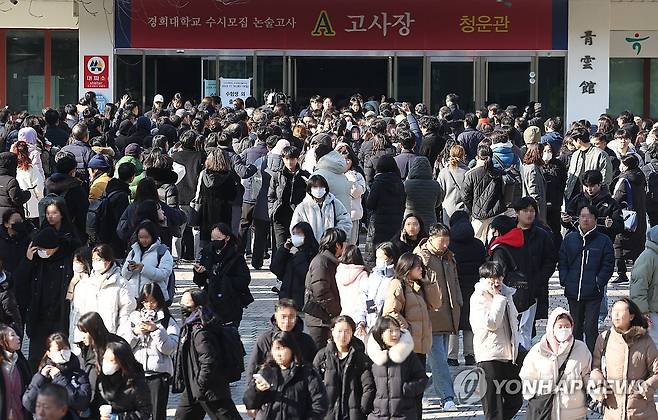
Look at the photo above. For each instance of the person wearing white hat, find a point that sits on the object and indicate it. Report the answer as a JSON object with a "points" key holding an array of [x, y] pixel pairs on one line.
{"points": [[158, 105]]}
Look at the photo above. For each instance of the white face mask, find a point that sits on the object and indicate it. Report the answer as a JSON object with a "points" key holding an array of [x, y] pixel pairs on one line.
{"points": [[61, 357], [547, 156], [318, 192], [349, 126], [562, 334], [109, 368], [78, 268], [297, 240], [98, 266], [42, 253]]}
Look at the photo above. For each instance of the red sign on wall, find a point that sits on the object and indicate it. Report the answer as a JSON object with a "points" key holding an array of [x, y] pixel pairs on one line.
{"points": [[97, 72], [339, 25]]}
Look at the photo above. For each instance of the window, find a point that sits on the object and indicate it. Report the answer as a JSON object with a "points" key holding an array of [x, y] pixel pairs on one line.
{"points": [[64, 70], [626, 85], [25, 67]]}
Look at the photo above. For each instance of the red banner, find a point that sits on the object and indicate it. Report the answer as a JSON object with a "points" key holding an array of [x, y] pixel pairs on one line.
{"points": [[96, 72], [341, 24]]}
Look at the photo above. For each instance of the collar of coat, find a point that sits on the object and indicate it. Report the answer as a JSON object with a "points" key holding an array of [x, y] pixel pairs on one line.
{"points": [[425, 246], [482, 287], [632, 335], [107, 278], [397, 354]]}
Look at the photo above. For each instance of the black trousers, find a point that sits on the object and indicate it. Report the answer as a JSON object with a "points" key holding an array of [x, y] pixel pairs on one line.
{"points": [[159, 387], [653, 218], [585, 314], [259, 229], [197, 410], [419, 399], [498, 403], [320, 335], [281, 232]]}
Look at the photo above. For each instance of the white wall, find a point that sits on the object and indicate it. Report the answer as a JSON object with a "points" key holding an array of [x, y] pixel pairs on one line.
{"points": [[633, 16], [46, 14], [97, 38], [585, 15]]}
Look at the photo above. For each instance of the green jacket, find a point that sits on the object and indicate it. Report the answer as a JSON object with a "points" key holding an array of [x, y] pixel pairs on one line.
{"points": [[644, 279], [139, 171]]}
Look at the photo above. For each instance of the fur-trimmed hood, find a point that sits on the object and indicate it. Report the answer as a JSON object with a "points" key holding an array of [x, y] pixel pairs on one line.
{"points": [[397, 354], [633, 334]]}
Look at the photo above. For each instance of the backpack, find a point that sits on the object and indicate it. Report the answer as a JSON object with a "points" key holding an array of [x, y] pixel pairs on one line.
{"points": [[171, 283], [652, 185], [47, 200], [511, 174], [231, 350], [257, 178], [99, 212]]}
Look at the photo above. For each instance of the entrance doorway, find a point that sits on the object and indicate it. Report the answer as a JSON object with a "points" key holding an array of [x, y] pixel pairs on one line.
{"points": [[172, 75], [339, 78]]}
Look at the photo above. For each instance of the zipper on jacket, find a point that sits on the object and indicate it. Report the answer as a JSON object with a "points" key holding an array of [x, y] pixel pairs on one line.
{"points": [[582, 268]]}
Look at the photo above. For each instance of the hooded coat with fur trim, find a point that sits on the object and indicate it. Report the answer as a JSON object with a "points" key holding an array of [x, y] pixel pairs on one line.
{"points": [[541, 366], [442, 270], [399, 379], [350, 279], [629, 356], [332, 168]]}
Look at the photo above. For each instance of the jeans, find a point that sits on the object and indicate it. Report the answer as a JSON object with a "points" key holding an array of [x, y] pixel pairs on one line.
{"points": [[438, 359], [500, 405], [453, 345], [585, 314], [525, 326]]}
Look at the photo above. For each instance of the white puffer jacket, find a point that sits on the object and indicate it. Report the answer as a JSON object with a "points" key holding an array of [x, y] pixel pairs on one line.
{"points": [[331, 214], [357, 189], [494, 321], [540, 370], [152, 271], [31, 180], [349, 278], [108, 294], [156, 349]]}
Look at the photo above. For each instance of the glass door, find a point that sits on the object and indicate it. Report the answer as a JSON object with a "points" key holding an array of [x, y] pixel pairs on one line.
{"points": [[452, 75], [508, 81], [209, 76]]}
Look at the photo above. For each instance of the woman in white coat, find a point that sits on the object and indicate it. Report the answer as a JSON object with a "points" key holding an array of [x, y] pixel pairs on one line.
{"points": [[321, 209], [149, 261], [496, 340], [541, 367], [358, 187], [29, 179], [104, 291], [152, 333]]}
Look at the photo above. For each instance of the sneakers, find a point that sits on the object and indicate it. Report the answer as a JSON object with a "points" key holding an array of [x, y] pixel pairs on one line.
{"points": [[453, 362], [622, 278], [469, 360], [449, 405]]}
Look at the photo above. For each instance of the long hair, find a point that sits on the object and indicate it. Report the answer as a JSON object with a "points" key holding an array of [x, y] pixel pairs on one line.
{"points": [[23, 155], [216, 161], [129, 367], [62, 343], [153, 290], [5, 330], [532, 155], [407, 262], [92, 324], [638, 318], [309, 237]]}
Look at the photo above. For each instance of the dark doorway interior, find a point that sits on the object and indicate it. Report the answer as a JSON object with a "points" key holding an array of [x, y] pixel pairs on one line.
{"points": [[340, 78], [179, 74]]}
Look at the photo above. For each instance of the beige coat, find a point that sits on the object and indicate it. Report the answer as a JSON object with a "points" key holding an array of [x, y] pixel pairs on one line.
{"points": [[629, 356], [410, 305], [494, 323], [540, 371], [442, 269]]}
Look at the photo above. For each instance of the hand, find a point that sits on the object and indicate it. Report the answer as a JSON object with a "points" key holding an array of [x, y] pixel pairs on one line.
{"points": [[124, 101], [647, 316], [494, 290], [405, 108], [294, 250], [360, 330], [252, 413], [136, 267], [608, 222], [566, 218], [198, 268], [149, 326], [30, 251], [262, 385], [45, 371], [288, 244], [53, 371]]}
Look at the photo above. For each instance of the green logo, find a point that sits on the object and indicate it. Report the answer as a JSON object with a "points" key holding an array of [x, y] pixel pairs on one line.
{"points": [[637, 42]]}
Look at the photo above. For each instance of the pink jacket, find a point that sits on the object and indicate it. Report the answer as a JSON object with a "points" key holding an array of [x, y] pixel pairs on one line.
{"points": [[348, 279]]}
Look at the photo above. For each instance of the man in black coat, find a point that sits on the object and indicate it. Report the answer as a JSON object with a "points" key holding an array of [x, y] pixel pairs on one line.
{"points": [[285, 319], [118, 196], [54, 134], [609, 220], [323, 300], [64, 183], [432, 143], [198, 373], [45, 273], [470, 138]]}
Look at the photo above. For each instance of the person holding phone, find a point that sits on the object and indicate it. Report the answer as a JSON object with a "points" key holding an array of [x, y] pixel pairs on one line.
{"points": [[286, 387], [152, 333]]}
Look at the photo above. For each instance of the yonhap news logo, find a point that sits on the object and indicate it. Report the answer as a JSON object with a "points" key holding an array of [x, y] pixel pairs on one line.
{"points": [[470, 386]]}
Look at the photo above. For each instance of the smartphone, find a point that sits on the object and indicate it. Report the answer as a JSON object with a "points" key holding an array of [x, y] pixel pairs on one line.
{"points": [[131, 262], [258, 376]]}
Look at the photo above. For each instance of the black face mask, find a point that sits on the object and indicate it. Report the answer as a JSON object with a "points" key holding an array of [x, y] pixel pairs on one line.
{"points": [[186, 311], [218, 245]]}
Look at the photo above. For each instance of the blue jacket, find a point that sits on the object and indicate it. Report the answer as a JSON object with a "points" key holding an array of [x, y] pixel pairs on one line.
{"points": [[504, 153], [586, 264]]}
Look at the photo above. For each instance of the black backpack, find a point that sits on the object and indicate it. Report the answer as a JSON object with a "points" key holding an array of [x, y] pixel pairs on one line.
{"points": [[98, 216], [511, 174], [231, 350]]}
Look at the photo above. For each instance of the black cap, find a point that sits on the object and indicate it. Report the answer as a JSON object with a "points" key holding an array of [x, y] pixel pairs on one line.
{"points": [[46, 238]]}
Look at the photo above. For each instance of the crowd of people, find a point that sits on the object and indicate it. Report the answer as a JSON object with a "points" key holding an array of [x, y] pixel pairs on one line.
{"points": [[396, 236]]}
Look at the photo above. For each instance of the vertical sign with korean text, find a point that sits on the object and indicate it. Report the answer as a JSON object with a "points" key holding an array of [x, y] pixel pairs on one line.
{"points": [[588, 74], [97, 72], [230, 89]]}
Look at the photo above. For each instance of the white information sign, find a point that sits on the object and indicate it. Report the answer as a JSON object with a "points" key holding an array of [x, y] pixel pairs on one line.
{"points": [[230, 89]]}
